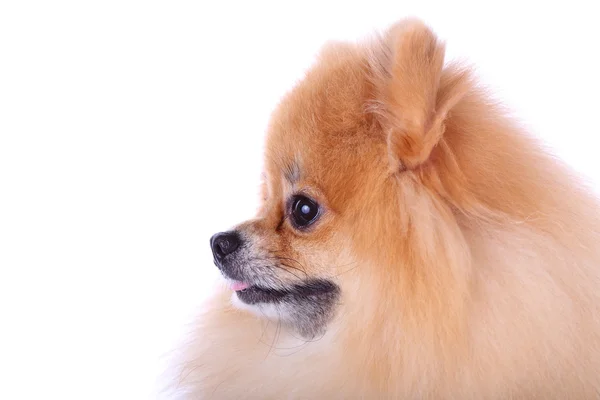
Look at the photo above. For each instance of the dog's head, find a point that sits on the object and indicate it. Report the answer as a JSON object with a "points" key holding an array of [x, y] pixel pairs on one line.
{"points": [[354, 212]]}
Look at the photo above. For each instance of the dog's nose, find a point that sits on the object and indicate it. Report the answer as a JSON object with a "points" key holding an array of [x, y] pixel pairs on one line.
{"points": [[224, 243]]}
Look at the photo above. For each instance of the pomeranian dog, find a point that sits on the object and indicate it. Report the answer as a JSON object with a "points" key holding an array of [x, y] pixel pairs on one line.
{"points": [[412, 243]]}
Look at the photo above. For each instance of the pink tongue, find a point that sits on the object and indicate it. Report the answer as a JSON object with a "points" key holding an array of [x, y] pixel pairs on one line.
{"points": [[235, 285]]}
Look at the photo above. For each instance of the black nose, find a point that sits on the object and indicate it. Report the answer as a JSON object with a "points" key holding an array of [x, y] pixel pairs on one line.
{"points": [[224, 243]]}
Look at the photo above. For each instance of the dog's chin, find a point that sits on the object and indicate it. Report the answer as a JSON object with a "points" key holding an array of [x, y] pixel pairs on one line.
{"points": [[271, 311], [306, 307]]}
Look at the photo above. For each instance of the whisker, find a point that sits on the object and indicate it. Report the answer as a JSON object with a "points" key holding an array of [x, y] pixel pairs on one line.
{"points": [[277, 332], [289, 259], [266, 327], [348, 270], [302, 268], [297, 269], [288, 271], [217, 387]]}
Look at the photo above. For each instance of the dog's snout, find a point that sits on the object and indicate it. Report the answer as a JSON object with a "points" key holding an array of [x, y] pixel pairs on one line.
{"points": [[224, 243]]}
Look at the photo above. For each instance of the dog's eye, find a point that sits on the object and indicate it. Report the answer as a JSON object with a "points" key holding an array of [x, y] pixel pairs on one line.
{"points": [[304, 211]]}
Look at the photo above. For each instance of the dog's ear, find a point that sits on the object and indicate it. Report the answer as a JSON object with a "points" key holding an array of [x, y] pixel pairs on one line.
{"points": [[413, 95]]}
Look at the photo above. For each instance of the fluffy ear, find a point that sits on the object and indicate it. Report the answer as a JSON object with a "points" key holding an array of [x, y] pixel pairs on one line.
{"points": [[413, 96]]}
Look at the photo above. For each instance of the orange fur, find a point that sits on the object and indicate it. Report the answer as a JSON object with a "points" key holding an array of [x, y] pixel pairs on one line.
{"points": [[466, 255]]}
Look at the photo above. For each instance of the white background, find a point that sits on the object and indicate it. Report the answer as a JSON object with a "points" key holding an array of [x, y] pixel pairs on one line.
{"points": [[130, 132]]}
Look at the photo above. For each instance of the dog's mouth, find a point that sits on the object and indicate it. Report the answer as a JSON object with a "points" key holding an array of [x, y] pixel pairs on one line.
{"points": [[306, 290], [306, 305]]}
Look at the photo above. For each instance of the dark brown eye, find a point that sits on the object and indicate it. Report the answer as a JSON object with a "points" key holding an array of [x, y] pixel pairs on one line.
{"points": [[304, 211]]}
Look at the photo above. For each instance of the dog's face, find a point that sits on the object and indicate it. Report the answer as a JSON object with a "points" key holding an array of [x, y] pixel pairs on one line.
{"points": [[333, 226], [288, 262]]}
